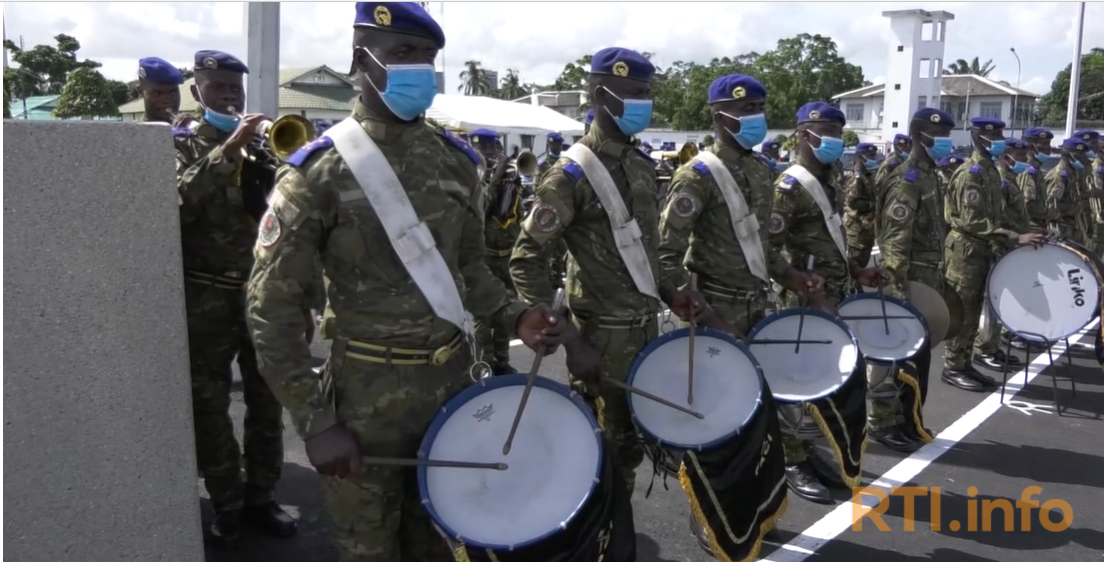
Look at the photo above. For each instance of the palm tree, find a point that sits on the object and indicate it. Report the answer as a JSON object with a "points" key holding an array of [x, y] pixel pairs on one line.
{"points": [[510, 87], [975, 67], [474, 80]]}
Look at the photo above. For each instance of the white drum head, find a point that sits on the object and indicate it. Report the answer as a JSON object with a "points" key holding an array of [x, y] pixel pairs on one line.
{"points": [[1049, 291], [554, 463], [727, 389], [815, 370], [906, 337]]}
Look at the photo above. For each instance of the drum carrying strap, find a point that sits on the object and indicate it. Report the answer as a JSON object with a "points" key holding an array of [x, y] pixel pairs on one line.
{"points": [[409, 235], [744, 223], [831, 218], [626, 231]]}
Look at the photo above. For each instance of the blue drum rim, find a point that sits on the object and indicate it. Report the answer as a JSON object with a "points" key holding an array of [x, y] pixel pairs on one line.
{"points": [[699, 331], [451, 406], [903, 304], [820, 314], [1034, 338]]}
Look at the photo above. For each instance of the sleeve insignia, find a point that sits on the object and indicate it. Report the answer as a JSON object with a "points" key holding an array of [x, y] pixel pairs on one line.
{"points": [[306, 150], [777, 223], [973, 196], [270, 229], [685, 204], [545, 218], [899, 212]]}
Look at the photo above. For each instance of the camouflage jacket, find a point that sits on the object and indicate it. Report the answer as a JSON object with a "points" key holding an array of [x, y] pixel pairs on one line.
{"points": [[696, 228], [890, 163], [319, 208], [798, 230], [598, 283], [1013, 198], [910, 223], [1032, 190], [1063, 193], [860, 204], [975, 205]]}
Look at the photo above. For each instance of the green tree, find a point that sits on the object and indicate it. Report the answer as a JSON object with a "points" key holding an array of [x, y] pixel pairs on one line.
{"points": [[961, 66], [850, 138], [86, 94], [510, 87], [800, 70], [474, 80], [1053, 106], [47, 67], [574, 75], [7, 99]]}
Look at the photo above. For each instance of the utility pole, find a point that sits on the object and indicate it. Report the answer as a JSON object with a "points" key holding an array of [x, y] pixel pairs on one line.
{"points": [[262, 39], [1075, 73]]}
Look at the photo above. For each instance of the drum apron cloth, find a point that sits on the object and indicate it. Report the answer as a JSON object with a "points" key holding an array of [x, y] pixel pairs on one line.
{"points": [[819, 385], [559, 500]]}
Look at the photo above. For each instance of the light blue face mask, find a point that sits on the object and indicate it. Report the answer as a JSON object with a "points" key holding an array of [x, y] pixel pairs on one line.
{"points": [[1078, 165], [941, 147], [1046, 158], [410, 88], [871, 165], [636, 115], [905, 154], [753, 129], [1019, 167], [1091, 155], [221, 121], [830, 149], [996, 147]]}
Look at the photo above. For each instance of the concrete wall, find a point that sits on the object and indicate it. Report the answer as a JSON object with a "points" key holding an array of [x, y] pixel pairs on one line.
{"points": [[99, 461]]}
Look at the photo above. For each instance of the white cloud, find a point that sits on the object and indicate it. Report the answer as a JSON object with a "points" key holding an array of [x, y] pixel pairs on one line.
{"points": [[538, 38]]}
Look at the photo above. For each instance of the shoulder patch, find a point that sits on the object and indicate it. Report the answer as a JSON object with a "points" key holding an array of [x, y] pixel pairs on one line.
{"points": [[787, 185], [306, 150], [899, 212], [685, 204], [701, 168], [573, 170], [1032, 170], [462, 145], [270, 229], [975, 169], [1063, 173], [912, 175], [777, 223], [182, 132]]}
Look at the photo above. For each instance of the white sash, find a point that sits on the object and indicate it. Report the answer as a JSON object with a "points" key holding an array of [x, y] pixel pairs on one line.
{"points": [[409, 235], [831, 218], [744, 223], [626, 233]]}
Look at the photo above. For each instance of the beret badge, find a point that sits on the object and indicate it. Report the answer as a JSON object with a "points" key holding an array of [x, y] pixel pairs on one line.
{"points": [[382, 16], [738, 92], [620, 69], [210, 62]]}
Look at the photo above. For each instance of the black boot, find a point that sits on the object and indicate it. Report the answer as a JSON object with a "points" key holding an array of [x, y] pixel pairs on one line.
{"points": [[912, 434], [984, 380], [997, 360], [226, 528], [272, 518], [803, 482], [893, 438], [959, 378], [824, 467], [700, 534], [504, 369]]}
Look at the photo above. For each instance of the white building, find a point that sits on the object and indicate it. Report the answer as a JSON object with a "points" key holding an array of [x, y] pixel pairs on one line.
{"points": [[565, 102], [914, 66]]}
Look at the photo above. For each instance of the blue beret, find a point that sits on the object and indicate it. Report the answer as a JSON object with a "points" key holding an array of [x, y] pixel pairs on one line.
{"points": [[986, 123], [933, 115], [400, 17], [1074, 143], [1038, 133], [866, 147], [820, 112], [483, 136], [736, 87], [901, 138], [158, 70], [767, 145], [622, 63], [1086, 135], [1017, 144], [645, 146], [590, 117], [554, 136], [218, 60]]}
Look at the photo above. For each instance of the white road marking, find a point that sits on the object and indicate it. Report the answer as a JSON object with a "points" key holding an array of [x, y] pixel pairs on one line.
{"points": [[840, 519]]}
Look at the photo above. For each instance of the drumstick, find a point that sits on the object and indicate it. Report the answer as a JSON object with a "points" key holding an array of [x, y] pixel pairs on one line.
{"points": [[804, 305], [650, 396], [432, 463], [877, 317], [776, 342], [881, 297], [690, 390], [557, 302]]}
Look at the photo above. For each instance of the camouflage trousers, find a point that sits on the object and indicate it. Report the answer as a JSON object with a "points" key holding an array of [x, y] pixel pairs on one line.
{"points": [[968, 263], [216, 334], [491, 334], [377, 513], [618, 347]]}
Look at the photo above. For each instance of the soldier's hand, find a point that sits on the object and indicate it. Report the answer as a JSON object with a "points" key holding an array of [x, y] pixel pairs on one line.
{"points": [[872, 277], [688, 304], [246, 131], [1032, 239], [334, 452], [542, 328], [583, 361], [308, 323]]}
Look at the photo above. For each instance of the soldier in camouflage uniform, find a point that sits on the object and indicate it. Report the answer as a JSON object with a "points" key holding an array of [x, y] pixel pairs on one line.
{"points": [[946, 169], [554, 141], [771, 149], [611, 299], [217, 235], [1091, 176], [911, 235], [394, 360], [159, 86], [975, 215], [798, 229], [860, 202], [557, 253], [502, 201], [902, 149], [1064, 190], [1098, 192], [1031, 184]]}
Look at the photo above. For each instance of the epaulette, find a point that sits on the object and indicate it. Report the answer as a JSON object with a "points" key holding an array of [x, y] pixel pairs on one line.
{"points": [[1004, 184], [701, 168], [1063, 173], [1032, 170], [764, 159], [893, 164], [306, 150], [573, 170], [182, 132], [912, 175], [462, 145], [1100, 169], [644, 153], [975, 169], [787, 185]]}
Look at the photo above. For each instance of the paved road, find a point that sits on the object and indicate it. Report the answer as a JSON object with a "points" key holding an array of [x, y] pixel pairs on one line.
{"points": [[1000, 449]]}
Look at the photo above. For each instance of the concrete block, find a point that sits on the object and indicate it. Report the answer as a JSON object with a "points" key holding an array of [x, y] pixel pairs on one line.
{"points": [[99, 461]]}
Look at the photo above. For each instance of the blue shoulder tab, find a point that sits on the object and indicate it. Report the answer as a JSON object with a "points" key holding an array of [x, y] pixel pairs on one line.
{"points": [[1032, 170], [644, 153], [975, 169], [1100, 169], [306, 150], [182, 132], [893, 164], [912, 175], [701, 168], [462, 145], [1063, 173], [1004, 184], [764, 159], [788, 184], [573, 170]]}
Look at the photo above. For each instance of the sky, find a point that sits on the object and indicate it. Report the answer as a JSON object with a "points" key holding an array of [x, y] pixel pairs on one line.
{"points": [[539, 38]]}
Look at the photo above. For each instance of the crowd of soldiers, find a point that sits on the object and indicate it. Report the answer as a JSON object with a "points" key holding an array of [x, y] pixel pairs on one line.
{"points": [[414, 227]]}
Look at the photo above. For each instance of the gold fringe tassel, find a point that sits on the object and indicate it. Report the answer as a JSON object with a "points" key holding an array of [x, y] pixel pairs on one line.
{"points": [[919, 423], [851, 482], [460, 553]]}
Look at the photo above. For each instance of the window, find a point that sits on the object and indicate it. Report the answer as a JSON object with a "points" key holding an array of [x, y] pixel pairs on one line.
{"points": [[896, 86], [894, 125], [927, 31], [941, 31], [922, 102], [900, 48], [937, 68], [854, 112], [925, 68], [990, 109], [527, 142]]}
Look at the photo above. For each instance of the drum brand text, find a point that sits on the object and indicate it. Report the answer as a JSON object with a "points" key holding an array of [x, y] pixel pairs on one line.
{"points": [[998, 509], [1075, 278]]}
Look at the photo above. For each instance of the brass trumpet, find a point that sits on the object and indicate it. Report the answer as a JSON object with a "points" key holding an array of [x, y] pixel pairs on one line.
{"points": [[525, 164], [284, 135]]}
